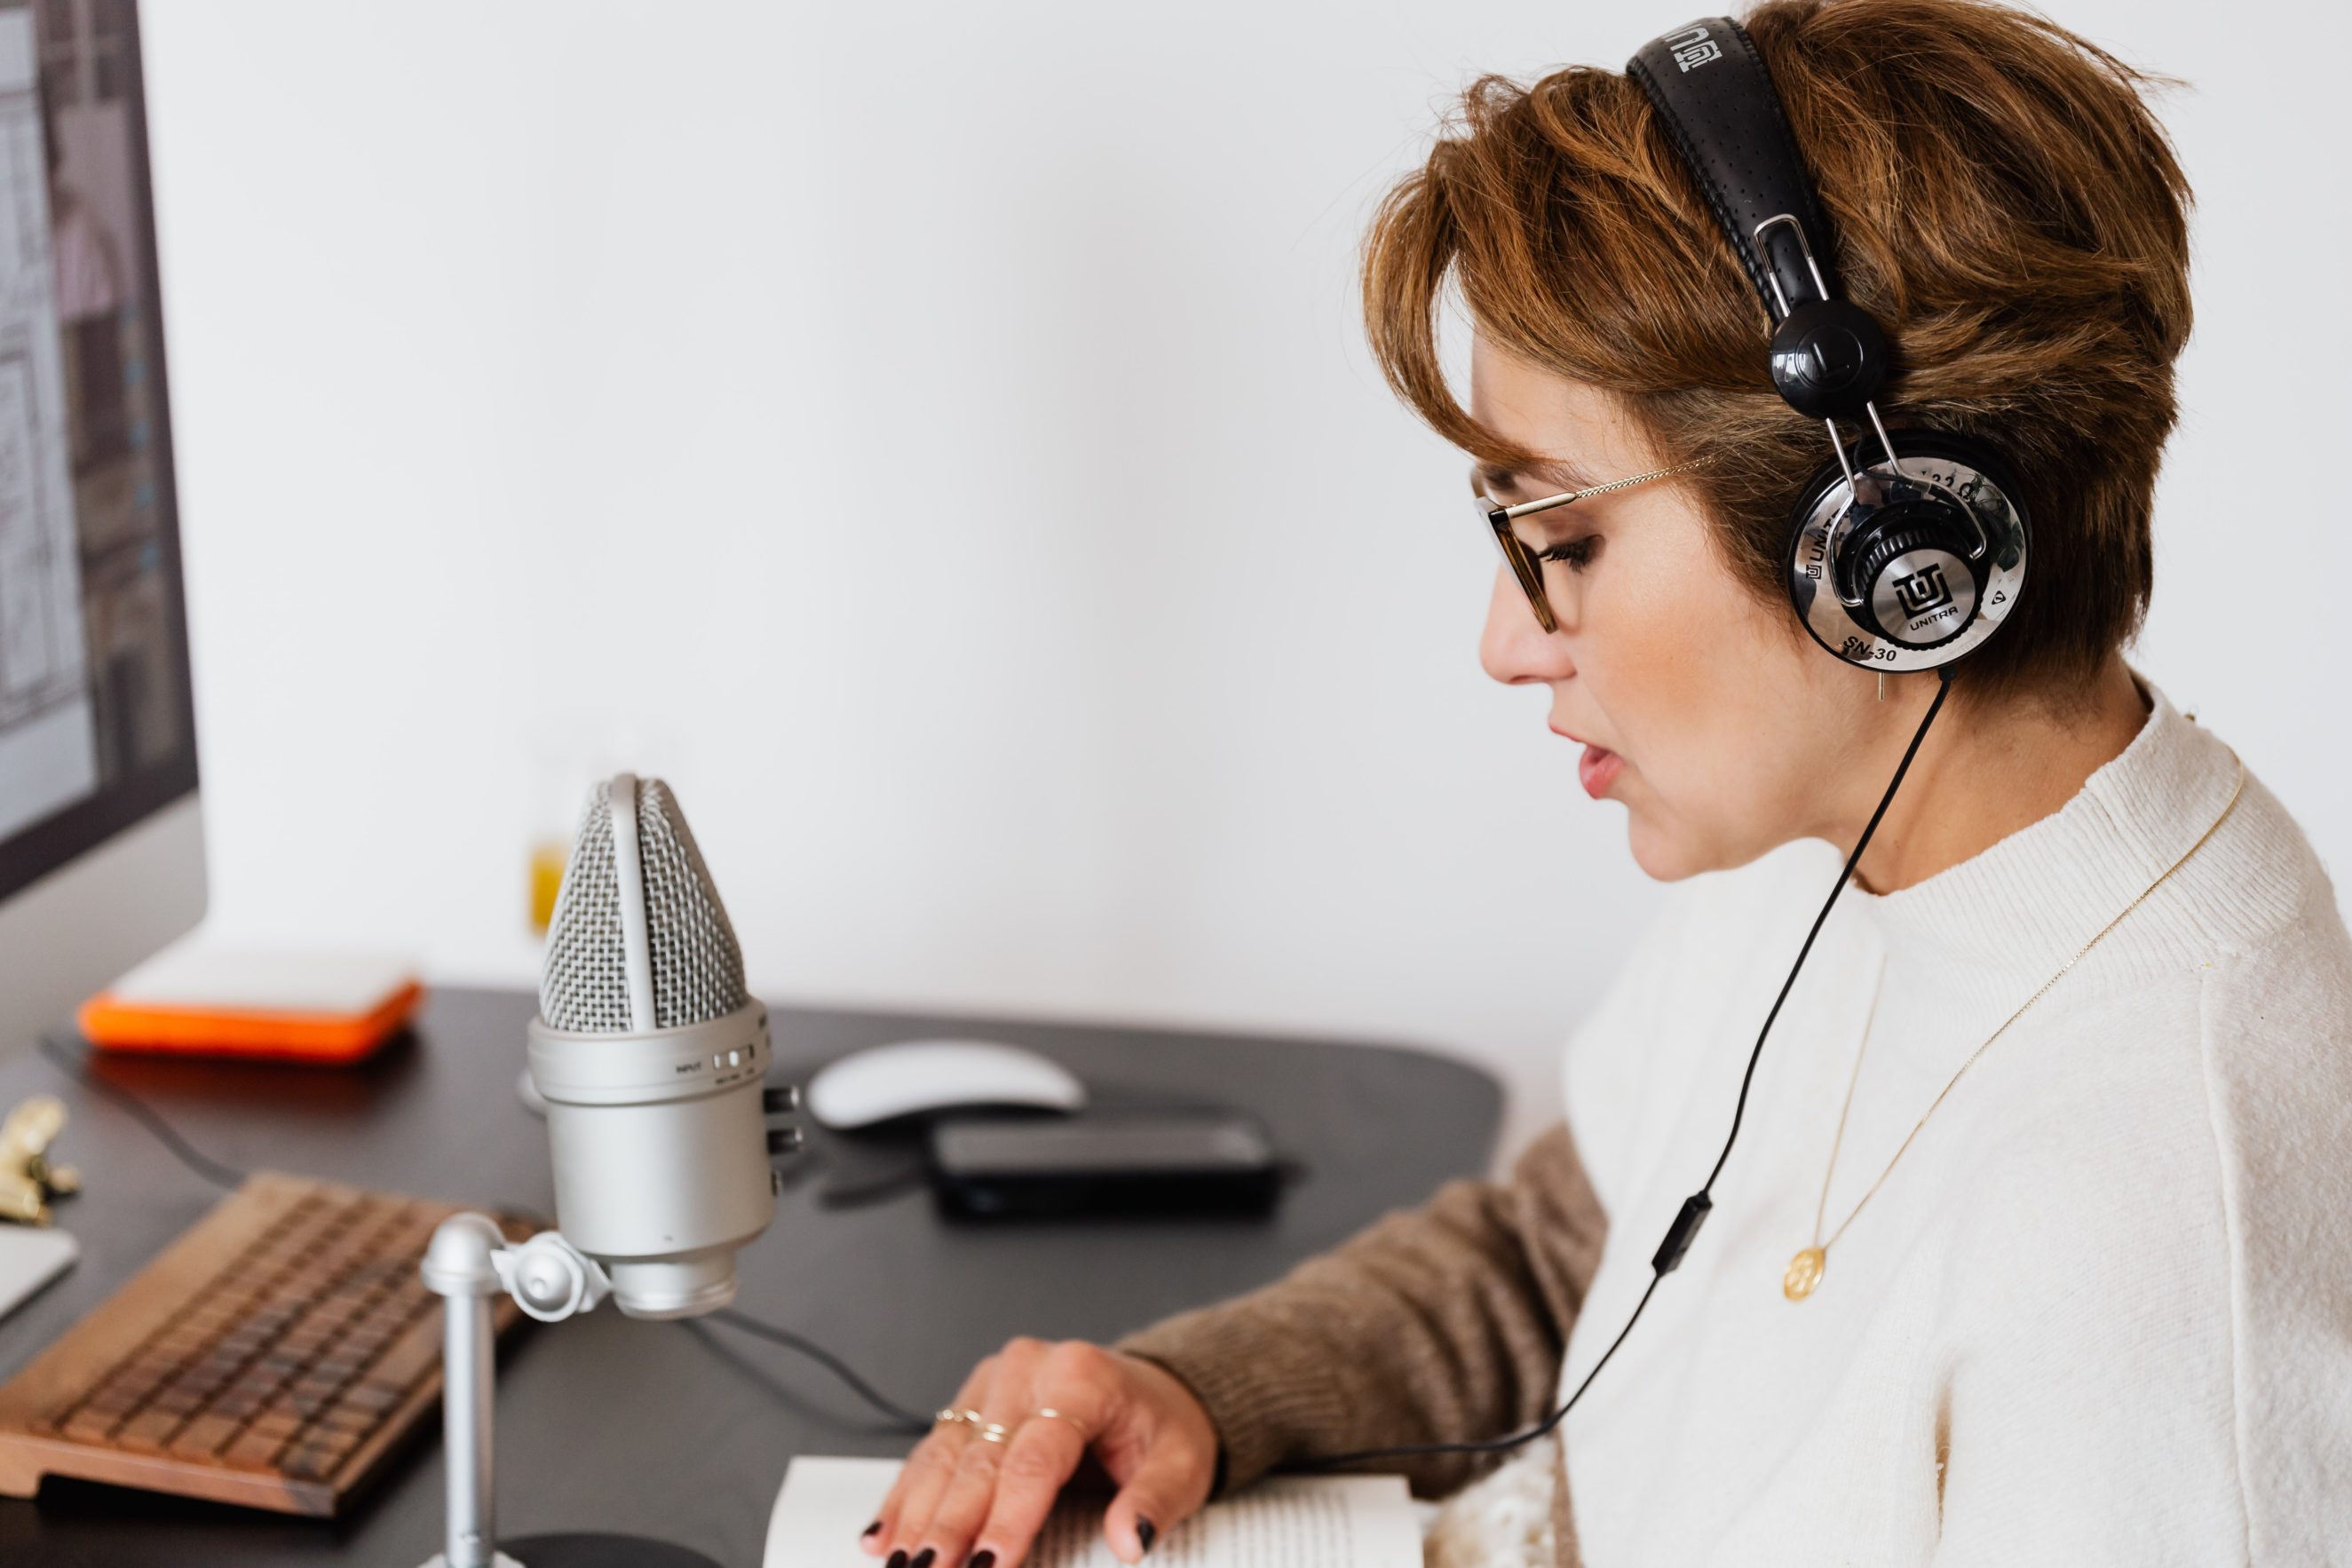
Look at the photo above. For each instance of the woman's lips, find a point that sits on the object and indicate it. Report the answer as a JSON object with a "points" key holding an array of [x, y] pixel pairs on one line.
{"points": [[1597, 770]]}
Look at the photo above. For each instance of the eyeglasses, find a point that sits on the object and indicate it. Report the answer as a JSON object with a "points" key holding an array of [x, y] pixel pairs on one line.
{"points": [[1527, 560]]}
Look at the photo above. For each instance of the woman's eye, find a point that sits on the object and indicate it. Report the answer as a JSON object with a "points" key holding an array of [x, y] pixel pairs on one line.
{"points": [[1576, 553]]}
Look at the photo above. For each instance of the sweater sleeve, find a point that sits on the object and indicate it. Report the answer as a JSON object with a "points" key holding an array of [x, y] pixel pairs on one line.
{"points": [[1443, 1323]]}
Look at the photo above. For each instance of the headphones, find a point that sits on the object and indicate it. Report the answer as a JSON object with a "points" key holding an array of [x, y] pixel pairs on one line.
{"points": [[1906, 551]]}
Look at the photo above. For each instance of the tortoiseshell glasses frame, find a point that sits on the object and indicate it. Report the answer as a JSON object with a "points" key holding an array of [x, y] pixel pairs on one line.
{"points": [[1525, 561]]}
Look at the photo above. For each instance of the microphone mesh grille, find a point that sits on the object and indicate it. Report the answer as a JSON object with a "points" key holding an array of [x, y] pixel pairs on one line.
{"points": [[583, 983], [697, 968]]}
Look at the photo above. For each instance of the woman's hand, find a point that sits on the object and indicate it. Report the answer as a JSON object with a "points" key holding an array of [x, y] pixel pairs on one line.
{"points": [[965, 1497]]}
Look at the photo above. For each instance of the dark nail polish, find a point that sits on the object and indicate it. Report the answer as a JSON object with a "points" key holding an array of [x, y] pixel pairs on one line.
{"points": [[923, 1558], [981, 1559], [1147, 1533], [897, 1560], [870, 1531]]}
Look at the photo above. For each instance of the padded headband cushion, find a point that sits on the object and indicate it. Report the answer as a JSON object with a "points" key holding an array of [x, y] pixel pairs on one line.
{"points": [[1710, 87]]}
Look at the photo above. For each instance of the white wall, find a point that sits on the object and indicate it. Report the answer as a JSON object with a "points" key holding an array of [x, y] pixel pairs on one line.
{"points": [[938, 437]]}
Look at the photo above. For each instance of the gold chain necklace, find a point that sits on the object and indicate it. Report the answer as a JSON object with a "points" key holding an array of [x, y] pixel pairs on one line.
{"points": [[1806, 1268]]}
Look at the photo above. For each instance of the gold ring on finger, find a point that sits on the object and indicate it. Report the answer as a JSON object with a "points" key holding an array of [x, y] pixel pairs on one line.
{"points": [[951, 1414], [989, 1432], [1048, 1413]]}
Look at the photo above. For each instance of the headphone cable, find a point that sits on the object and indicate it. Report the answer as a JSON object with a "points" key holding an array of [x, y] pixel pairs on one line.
{"points": [[1696, 1207]]}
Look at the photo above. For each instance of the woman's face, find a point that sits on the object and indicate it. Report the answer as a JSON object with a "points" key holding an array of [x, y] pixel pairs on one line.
{"points": [[1711, 716]]}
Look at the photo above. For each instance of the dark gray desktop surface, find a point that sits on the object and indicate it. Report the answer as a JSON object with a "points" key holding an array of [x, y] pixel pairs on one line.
{"points": [[682, 1432]]}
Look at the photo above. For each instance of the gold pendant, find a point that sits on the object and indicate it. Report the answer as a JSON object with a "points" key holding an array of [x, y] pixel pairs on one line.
{"points": [[1804, 1273]]}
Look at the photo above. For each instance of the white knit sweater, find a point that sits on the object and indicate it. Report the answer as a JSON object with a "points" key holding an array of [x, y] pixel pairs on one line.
{"points": [[2100, 1312]]}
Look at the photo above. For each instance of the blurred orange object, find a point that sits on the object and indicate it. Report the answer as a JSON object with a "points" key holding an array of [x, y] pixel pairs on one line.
{"points": [[330, 1009], [548, 860]]}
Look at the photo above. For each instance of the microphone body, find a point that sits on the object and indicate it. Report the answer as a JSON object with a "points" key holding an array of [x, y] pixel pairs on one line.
{"points": [[650, 1054]]}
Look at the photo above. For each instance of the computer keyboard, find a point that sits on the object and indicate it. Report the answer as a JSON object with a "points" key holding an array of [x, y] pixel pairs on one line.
{"points": [[275, 1356]]}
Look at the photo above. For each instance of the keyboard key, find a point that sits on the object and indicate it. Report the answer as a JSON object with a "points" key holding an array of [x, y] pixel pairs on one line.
{"points": [[309, 1460], [175, 1402], [88, 1426], [411, 1356], [147, 1432], [279, 1422], [374, 1397], [254, 1451], [204, 1436]]}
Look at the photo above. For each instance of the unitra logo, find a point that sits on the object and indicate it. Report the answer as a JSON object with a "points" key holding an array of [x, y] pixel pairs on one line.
{"points": [[1922, 591], [1693, 48]]}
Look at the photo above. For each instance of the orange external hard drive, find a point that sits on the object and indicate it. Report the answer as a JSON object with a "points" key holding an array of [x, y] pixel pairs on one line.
{"points": [[330, 1008]]}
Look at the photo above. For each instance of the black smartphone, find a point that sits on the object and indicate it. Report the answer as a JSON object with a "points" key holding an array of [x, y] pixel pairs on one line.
{"points": [[1105, 1162]]}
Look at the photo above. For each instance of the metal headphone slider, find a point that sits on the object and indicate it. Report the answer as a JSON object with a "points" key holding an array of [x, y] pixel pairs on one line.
{"points": [[1828, 356]]}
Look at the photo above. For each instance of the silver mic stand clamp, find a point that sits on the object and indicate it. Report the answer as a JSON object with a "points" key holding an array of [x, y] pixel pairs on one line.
{"points": [[469, 1262]]}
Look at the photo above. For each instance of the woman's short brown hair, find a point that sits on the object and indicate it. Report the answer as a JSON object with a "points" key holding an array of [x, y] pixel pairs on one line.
{"points": [[2004, 204]]}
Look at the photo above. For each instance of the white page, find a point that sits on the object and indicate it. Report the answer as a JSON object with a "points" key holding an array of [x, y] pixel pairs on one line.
{"points": [[1284, 1522]]}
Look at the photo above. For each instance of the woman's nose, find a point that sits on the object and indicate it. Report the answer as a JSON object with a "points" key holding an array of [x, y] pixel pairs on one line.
{"points": [[1514, 649]]}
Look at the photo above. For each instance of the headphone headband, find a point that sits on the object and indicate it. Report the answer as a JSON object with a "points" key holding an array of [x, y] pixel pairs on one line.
{"points": [[1711, 90], [1904, 561]]}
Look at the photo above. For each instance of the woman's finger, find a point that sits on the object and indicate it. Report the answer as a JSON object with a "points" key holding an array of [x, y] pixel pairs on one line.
{"points": [[1168, 1485], [1041, 1458], [944, 1534], [998, 1458], [968, 1459], [1081, 1395], [925, 1474]]}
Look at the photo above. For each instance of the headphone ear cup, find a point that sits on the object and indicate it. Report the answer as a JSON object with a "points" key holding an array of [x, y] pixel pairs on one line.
{"points": [[1952, 527]]}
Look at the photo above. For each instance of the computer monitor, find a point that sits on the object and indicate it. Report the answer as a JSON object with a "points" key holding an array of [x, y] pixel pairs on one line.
{"points": [[101, 849]]}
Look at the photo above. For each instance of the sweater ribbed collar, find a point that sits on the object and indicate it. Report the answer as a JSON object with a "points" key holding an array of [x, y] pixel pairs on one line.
{"points": [[1985, 933]]}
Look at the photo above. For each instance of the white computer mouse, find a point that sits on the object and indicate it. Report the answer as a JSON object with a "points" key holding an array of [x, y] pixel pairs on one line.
{"points": [[918, 1077]]}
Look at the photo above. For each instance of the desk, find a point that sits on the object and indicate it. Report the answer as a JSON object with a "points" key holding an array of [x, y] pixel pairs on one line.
{"points": [[678, 1431]]}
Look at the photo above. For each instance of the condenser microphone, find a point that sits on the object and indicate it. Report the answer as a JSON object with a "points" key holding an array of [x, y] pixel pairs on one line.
{"points": [[650, 1052]]}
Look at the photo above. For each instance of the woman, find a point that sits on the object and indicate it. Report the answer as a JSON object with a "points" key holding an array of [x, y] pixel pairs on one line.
{"points": [[2030, 1249]]}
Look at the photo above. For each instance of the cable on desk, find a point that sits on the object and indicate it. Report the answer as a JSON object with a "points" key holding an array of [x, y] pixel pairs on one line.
{"points": [[874, 1189], [202, 1164], [913, 1423]]}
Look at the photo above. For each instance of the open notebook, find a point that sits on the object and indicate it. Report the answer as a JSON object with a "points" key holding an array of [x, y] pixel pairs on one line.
{"points": [[1284, 1522]]}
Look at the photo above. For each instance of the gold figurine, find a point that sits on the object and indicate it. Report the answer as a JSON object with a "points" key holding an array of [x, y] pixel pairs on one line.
{"points": [[29, 1179]]}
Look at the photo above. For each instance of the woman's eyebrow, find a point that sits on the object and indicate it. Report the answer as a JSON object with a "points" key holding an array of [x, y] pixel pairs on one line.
{"points": [[1547, 477]]}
